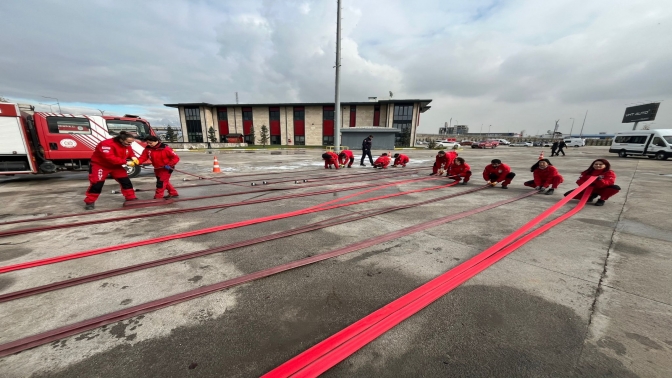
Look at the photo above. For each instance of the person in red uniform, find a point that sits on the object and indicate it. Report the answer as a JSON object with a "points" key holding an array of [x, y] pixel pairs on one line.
{"points": [[109, 158], [164, 160], [460, 170], [330, 158], [545, 175], [443, 161], [346, 156], [400, 159], [605, 186], [496, 172], [382, 162]]}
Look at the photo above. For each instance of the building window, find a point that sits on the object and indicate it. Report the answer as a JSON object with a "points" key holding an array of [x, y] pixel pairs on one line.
{"points": [[247, 114], [328, 126], [327, 140], [299, 126], [274, 125], [223, 124], [275, 139], [194, 128], [353, 116], [248, 127], [274, 114], [376, 115], [403, 120]]}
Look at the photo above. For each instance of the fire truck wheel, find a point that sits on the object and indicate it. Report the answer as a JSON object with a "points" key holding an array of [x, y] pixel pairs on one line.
{"points": [[133, 171], [48, 167]]}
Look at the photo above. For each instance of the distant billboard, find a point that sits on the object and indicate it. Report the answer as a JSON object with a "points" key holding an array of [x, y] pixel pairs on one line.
{"points": [[640, 113]]}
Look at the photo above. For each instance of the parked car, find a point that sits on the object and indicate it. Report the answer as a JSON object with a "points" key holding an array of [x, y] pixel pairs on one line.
{"points": [[494, 142], [447, 145], [521, 144], [548, 144], [538, 144], [466, 143], [483, 144], [503, 142], [575, 142]]}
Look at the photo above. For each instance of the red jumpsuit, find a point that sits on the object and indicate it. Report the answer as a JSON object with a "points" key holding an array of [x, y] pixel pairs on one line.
{"points": [[161, 155], [382, 162], [108, 158], [604, 186], [545, 178], [345, 156], [460, 171], [501, 174], [333, 160], [401, 160], [444, 161]]}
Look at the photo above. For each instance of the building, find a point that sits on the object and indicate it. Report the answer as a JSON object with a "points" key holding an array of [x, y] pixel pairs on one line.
{"points": [[454, 130], [297, 123]]}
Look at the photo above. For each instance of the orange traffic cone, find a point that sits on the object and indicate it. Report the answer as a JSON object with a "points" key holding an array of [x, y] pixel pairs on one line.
{"points": [[215, 167], [541, 155]]}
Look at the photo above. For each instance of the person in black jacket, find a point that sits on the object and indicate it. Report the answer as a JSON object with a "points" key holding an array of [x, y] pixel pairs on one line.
{"points": [[366, 150], [554, 149], [561, 147]]}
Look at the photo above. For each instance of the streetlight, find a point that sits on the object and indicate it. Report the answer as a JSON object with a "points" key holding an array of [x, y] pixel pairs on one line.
{"points": [[570, 130], [102, 112], [489, 131], [584, 123], [49, 105], [59, 104]]}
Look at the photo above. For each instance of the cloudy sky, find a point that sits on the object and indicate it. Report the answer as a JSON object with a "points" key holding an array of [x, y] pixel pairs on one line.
{"points": [[513, 64]]}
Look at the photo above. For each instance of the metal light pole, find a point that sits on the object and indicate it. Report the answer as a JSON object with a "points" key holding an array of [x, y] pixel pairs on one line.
{"points": [[489, 131], [570, 130], [337, 102], [584, 123], [59, 104]]}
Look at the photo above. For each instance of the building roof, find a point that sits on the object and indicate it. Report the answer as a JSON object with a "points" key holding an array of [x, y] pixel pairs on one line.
{"points": [[423, 103]]}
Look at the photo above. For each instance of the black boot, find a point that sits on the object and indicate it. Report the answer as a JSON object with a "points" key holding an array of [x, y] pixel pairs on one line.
{"points": [[600, 202], [89, 206], [549, 191], [592, 197]]}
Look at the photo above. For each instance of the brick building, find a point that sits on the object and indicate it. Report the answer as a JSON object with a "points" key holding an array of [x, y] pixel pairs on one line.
{"points": [[309, 124]]}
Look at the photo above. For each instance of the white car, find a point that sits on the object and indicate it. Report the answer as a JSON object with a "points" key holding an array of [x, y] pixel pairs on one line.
{"points": [[448, 145], [521, 144]]}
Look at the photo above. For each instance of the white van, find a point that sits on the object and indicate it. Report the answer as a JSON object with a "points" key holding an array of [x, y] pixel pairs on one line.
{"points": [[503, 141], [652, 143], [575, 142]]}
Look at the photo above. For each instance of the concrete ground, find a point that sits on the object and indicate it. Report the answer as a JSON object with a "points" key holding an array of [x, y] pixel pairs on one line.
{"points": [[590, 298]]}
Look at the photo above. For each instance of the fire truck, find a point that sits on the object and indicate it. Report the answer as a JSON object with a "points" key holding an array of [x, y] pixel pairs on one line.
{"points": [[42, 143]]}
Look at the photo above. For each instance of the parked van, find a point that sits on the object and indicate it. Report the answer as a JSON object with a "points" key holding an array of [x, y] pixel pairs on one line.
{"points": [[575, 142], [652, 143]]}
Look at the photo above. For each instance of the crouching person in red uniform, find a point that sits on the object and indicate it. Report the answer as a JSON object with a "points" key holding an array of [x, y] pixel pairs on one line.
{"points": [[545, 175], [496, 172], [604, 186], [460, 170], [400, 159], [382, 162], [164, 160], [109, 157], [443, 162], [330, 159], [346, 156]]}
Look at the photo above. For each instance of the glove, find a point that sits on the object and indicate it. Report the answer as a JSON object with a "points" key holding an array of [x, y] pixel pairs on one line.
{"points": [[492, 183], [135, 161], [130, 163], [168, 167]]}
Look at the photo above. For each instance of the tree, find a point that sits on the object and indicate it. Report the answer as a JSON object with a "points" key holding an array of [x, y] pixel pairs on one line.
{"points": [[211, 135], [253, 136], [263, 137], [170, 135]]}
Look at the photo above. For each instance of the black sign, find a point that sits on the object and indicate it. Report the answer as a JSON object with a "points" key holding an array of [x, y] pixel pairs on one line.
{"points": [[641, 113]]}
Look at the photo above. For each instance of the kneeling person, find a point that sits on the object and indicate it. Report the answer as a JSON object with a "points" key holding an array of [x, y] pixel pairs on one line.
{"points": [[330, 158], [345, 156], [382, 162], [545, 175], [460, 170], [497, 172], [400, 159]]}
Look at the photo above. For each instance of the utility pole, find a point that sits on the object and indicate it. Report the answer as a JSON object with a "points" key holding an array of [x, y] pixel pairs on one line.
{"points": [[59, 104], [337, 99], [102, 112], [584, 123], [49, 105], [236, 98]]}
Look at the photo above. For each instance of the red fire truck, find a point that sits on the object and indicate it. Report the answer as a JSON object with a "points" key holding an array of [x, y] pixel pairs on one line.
{"points": [[37, 142]]}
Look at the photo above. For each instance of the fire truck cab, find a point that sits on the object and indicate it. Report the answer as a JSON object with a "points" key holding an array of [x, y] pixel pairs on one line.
{"points": [[37, 142]]}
